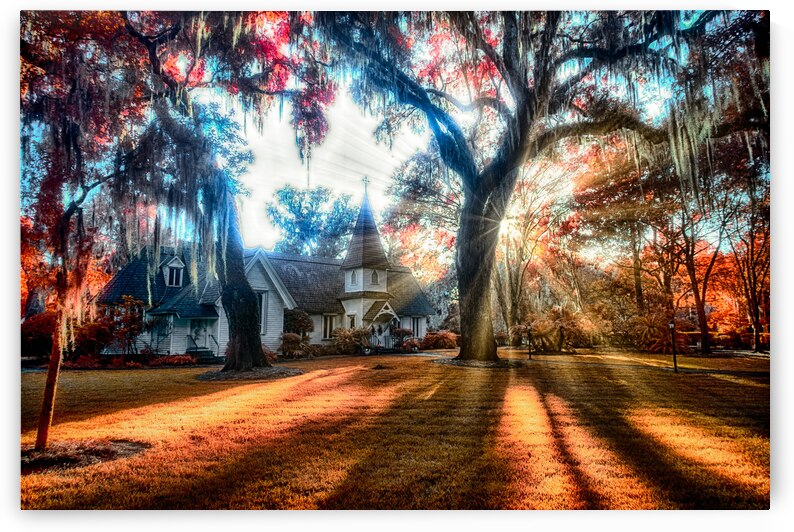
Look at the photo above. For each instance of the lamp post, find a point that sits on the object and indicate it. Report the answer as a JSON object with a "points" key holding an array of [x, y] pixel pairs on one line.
{"points": [[752, 332], [671, 325], [529, 342]]}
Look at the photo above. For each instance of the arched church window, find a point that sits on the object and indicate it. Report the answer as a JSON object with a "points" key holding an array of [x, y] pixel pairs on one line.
{"points": [[374, 276], [353, 277]]}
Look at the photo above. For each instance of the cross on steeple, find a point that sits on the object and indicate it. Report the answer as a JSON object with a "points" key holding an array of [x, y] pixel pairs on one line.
{"points": [[366, 182]]}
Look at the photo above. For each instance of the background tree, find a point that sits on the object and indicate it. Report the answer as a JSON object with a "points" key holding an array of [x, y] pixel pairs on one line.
{"points": [[421, 225], [312, 222]]}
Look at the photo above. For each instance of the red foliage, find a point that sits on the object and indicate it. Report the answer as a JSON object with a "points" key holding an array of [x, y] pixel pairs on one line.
{"points": [[82, 362], [173, 360], [440, 340], [37, 334]]}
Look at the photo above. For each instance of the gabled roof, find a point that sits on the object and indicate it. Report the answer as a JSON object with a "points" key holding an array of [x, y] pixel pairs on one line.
{"points": [[131, 280], [314, 282], [365, 249], [186, 304], [408, 298], [379, 311]]}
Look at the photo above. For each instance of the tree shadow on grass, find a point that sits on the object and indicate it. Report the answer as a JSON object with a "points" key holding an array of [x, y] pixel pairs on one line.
{"points": [[76, 401], [428, 448], [432, 450], [680, 480]]}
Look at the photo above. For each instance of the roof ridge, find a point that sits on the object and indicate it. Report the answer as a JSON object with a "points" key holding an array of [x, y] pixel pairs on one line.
{"points": [[292, 257]]}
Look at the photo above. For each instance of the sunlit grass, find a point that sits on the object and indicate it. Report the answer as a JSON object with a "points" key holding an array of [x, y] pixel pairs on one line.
{"points": [[565, 432]]}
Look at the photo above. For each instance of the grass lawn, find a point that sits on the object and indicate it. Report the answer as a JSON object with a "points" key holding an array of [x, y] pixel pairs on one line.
{"points": [[598, 430]]}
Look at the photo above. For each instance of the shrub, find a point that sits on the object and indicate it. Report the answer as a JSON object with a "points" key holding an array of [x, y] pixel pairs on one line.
{"points": [[651, 333], [410, 345], [440, 340], [325, 349], [291, 345], [171, 360], [127, 319], [268, 354], [401, 333], [37, 333], [298, 321], [544, 334], [351, 341], [82, 362], [500, 337], [517, 334], [92, 337]]}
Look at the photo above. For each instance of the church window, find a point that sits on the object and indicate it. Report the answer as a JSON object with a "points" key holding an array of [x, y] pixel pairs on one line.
{"points": [[353, 278], [262, 300], [174, 276], [374, 276], [328, 326], [415, 326]]}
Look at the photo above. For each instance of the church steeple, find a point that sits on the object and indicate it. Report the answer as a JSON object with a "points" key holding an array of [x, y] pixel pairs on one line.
{"points": [[365, 249]]}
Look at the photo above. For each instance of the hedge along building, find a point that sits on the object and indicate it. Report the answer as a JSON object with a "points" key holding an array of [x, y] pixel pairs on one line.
{"points": [[184, 315]]}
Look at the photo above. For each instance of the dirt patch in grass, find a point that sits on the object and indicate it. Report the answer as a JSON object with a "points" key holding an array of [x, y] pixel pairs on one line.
{"points": [[498, 364], [64, 455], [256, 374]]}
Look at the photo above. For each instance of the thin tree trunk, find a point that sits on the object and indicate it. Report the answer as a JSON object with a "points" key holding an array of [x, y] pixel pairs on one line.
{"points": [[700, 307], [637, 268], [50, 387], [240, 303]]}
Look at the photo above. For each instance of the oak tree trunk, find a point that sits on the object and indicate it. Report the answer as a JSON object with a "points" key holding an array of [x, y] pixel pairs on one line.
{"points": [[476, 245], [244, 351]]}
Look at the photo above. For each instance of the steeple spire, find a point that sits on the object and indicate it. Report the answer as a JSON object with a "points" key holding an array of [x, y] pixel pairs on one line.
{"points": [[365, 249]]}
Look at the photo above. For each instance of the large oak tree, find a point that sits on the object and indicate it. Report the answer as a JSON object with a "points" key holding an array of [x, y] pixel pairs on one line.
{"points": [[109, 103], [497, 89]]}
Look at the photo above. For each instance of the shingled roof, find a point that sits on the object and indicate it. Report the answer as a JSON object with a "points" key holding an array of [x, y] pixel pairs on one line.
{"points": [[313, 282], [407, 296], [316, 284], [131, 280], [365, 249]]}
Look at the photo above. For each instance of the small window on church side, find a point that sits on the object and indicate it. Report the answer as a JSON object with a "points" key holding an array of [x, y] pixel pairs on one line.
{"points": [[353, 277], [374, 276], [174, 276]]}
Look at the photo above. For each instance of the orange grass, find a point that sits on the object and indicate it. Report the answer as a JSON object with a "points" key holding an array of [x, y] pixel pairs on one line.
{"points": [[581, 431]]}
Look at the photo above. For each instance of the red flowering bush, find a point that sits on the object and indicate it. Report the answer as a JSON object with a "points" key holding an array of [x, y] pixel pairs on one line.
{"points": [[411, 345], [440, 340], [173, 360]]}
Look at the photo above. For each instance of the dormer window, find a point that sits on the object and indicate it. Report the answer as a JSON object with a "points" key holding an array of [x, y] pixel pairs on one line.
{"points": [[374, 276], [174, 276]]}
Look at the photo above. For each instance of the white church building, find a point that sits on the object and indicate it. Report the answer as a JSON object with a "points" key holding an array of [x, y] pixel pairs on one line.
{"points": [[363, 290]]}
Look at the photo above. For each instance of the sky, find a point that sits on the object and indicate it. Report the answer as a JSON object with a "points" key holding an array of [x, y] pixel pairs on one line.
{"points": [[348, 153]]}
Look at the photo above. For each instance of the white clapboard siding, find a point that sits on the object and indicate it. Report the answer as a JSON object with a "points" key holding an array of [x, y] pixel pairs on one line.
{"points": [[179, 332], [260, 282], [223, 329], [316, 336]]}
